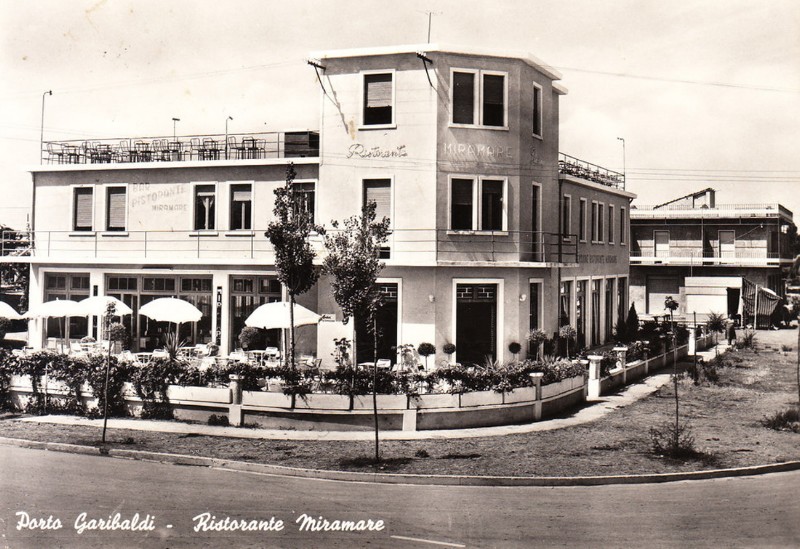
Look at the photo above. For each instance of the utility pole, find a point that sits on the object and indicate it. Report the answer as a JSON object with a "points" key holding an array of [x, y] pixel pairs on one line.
{"points": [[41, 134], [430, 14]]}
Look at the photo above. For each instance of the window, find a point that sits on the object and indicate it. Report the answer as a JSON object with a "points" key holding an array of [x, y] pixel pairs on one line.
{"points": [[582, 213], [566, 216], [494, 98], [477, 204], [118, 283], [463, 98], [478, 98], [594, 221], [116, 203], [461, 204], [537, 110], [195, 285], [74, 286], [378, 99], [204, 207], [158, 284], [380, 192], [304, 195], [623, 229], [601, 212], [82, 209], [241, 206], [610, 224]]}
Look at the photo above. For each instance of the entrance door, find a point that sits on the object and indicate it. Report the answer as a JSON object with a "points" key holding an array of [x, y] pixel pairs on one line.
{"points": [[476, 323], [536, 236], [727, 244], [386, 318]]}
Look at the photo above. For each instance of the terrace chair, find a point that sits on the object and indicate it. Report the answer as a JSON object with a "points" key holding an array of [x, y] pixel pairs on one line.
{"points": [[125, 152], [235, 150], [55, 150], [196, 148]]}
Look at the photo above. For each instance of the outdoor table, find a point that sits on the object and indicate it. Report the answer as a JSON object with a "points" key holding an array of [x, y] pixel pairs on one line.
{"points": [[258, 356], [366, 365], [144, 358]]}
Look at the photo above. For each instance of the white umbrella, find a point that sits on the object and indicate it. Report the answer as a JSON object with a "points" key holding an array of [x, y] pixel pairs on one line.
{"points": [[170, 309], [98, 306], [276, 315], [7, 311], [58, 308]]}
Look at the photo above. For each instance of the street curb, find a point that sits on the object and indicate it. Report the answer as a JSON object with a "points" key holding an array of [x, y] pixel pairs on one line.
{"points": [[397, 478]]}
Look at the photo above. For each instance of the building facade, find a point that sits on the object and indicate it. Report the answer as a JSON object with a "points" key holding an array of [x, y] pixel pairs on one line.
{"points": [[699, 252], [492, 231]]}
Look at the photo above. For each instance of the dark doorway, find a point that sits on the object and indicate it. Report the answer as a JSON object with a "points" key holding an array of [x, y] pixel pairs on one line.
{"points": [[476, 323], [386, 324]]}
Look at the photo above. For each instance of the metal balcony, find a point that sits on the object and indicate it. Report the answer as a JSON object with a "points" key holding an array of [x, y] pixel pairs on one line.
{"points": [[569, 165]]}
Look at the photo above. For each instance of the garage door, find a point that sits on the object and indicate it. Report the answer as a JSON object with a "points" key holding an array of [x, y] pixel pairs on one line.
{"points": [[658, 288]]}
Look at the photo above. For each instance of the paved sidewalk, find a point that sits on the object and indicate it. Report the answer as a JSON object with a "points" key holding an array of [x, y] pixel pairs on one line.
{"points": [[593, 410]]}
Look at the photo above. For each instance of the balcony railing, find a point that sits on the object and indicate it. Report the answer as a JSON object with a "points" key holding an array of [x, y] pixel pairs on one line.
{"points": [[405, 246], [697, 258], [183, 148], [569, 165]]}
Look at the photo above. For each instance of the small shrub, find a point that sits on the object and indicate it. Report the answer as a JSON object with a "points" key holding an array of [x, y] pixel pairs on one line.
{"points": [[448, 349], [426, 350], [218, 421], [252, 338], [673, 443], [5, 324], [785, 349], [747, 341], [514, 348], [785, 420], [422, 453]]}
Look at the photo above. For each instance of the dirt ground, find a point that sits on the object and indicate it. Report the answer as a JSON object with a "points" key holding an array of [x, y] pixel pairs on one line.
{"points": [[724, 417]]}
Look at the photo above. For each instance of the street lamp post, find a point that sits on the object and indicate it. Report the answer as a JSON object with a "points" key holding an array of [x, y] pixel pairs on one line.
{"points": [[226, 136], [41, 133], [624, 170], [174, 126]]}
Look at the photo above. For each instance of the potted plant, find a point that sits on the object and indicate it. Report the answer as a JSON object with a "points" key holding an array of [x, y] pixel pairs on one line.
{"points": [[514, 348], [567, 333], [426, 349], [536, 338], [449, 349]]}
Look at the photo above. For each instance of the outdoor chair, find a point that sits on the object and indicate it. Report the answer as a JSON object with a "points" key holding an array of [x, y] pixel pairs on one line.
{"points": [[75, 348], [55, 150], [384, 363]]}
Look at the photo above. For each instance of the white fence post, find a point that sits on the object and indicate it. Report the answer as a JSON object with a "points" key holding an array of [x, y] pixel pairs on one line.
{"points": [[594, 376]]}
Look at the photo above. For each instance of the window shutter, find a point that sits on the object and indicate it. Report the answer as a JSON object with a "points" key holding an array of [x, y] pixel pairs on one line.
{"points": [[116, 208], [378, 90], [83, 208], [380, 192], [241, 195]]}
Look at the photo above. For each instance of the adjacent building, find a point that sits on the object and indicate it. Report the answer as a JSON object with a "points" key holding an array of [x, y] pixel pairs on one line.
{"points": [[493, 231], [701, 253]]}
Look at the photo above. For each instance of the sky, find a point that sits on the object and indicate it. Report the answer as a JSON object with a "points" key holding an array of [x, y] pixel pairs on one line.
{"points": [[704, 93]]}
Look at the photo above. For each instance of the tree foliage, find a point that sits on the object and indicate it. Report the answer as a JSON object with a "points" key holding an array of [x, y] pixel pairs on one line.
{"points": [[289, 235]]}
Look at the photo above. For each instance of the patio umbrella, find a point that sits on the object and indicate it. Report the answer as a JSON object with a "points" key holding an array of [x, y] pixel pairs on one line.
{"points": [[98, 305], [58, 308], [7, 311], [276, 315], [170, 309]]}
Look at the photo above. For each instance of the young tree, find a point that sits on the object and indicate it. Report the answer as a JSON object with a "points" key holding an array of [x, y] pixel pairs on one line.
{"points": [[354, 265], [294, 256], [671, 305]]}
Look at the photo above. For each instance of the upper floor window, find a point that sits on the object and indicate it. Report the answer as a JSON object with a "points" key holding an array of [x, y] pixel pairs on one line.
{"points": [[537, 110], [601, 214], [116, 206], [566, 216], [378, 99], [380, 192], [305, 199], [594, 225], [582, 218], [661, 243], [478, 98], [83, 209], [241, 206], [205, 197], [610, 223], [477, 204], [623, 228]]}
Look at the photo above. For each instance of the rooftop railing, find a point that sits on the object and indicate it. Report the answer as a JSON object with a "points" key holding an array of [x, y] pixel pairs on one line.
{"points": [[405, 246], [183, 148], [650, 210], [569, 165]]}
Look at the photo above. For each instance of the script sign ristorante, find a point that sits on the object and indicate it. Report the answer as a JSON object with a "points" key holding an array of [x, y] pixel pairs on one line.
{"points": [[360, 151]]}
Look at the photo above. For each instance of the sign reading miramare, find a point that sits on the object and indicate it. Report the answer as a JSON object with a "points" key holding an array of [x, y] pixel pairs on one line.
{"points": [[477, 150]]}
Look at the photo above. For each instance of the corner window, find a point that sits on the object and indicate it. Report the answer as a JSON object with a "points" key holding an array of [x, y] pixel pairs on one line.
{"points": [[378, 99], [477, 204], [241, 206], [478, 98], [537, 110], [204, 207], [305, 199], [82, 209], [116, 206]]}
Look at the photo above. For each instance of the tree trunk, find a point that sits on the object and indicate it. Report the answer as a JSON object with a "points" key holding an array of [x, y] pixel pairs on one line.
{"points": [[798, 364], [675, 378], [291, 329], [105, 387], [375, 383], [353, 363]]}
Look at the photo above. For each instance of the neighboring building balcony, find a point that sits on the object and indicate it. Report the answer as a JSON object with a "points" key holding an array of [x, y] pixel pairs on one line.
{"points": [[696, 258], [183, 148], [219, 247], [569, 165], [719, 211]]}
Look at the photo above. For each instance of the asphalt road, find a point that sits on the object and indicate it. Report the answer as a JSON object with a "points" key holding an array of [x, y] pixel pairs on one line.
{"points": [[742, 512]]}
